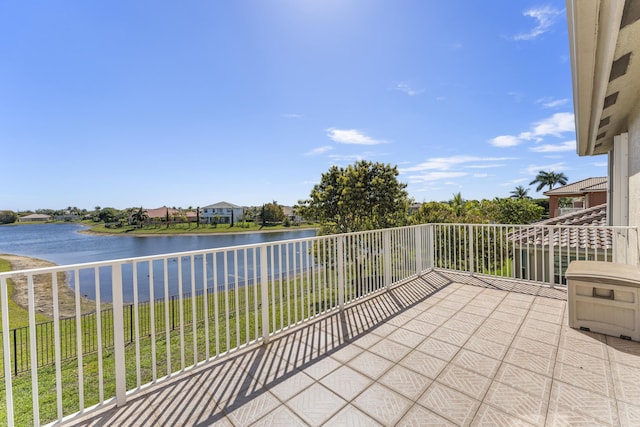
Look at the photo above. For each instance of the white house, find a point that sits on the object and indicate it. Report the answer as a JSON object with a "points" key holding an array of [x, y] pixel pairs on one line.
{"points": [[604, 38], [221, 213], [35, 218]]}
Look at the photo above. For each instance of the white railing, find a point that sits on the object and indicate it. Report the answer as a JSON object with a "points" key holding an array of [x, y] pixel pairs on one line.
{"points": [[153, 317]]}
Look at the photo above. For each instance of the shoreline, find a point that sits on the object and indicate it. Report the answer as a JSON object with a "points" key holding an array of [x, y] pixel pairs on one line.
{"points": [[43, 288], [199, 234]]}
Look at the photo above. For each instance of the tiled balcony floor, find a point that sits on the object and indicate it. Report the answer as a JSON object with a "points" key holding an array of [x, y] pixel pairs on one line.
{"points": [[444, 349]]}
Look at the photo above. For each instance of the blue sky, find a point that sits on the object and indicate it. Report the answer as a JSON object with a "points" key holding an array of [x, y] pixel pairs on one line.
{"points": [[152, 103]]}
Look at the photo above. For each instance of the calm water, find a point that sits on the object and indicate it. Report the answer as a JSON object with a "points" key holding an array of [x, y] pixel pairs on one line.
{"points": [[63, 244]]}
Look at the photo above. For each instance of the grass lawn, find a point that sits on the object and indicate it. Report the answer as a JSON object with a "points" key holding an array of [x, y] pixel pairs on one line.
{"points": [[189, 228]]}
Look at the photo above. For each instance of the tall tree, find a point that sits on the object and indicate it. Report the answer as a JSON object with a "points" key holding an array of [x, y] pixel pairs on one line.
{"points": [[550, 179], [520, 193], [139, 217], [362, 196], [272, 213]]}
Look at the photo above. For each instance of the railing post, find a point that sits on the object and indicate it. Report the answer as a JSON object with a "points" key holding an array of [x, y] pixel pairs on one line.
{"points": [[471, 254], [264, 290], [340, 254], [6, 349], [386, 239], [118, 335], [552, 267], [418, 240], [431, 246]]}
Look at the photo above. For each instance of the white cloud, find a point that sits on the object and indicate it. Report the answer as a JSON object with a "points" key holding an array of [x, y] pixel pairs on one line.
{"points": [[554, 148], [551, 102], [513, 182], [545, 17], [351, 136], [480, 175], [446, 163], [292, 116], [347, 157], [534, 169], [487, 166], [319, 150], [556, 125], [505, 141], [600, 164], [435, 176], [405, 88]]}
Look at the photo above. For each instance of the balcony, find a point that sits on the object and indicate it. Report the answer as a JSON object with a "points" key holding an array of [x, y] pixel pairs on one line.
{"points": [[442, 323]]}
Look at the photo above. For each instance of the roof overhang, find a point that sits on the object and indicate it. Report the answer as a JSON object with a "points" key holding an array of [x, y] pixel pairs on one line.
{"points": [[604, 36]]}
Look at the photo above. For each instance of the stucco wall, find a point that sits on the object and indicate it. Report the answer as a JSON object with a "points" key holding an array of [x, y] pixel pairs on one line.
{"points": [[634, 166]]}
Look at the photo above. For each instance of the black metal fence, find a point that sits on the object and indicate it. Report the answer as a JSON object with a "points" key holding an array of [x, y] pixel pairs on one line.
{"points": [[19, 339]]}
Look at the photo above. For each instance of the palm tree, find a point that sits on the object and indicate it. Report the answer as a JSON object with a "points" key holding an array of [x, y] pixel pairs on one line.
{"points": [[139, 217], [457, 205], [549, 178], [520, 193]]}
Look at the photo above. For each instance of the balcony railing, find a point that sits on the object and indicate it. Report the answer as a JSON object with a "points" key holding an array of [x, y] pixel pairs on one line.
{"points": [[171, 313]]}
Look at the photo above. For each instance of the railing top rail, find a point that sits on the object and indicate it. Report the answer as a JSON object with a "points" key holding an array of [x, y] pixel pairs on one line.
{"points": [[585, 227]]}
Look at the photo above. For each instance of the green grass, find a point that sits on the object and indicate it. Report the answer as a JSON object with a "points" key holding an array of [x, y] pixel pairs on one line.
{"points": [[189, 228]]}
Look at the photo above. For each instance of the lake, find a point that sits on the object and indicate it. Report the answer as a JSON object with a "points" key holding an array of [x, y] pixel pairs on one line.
{"points": [[63, 244]]}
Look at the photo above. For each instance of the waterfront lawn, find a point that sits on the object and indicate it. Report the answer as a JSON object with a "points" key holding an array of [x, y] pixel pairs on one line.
{"points": [[190, 228]]}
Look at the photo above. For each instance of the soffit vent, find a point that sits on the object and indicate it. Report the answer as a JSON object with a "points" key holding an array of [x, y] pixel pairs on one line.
{"points": [[619, 67], [630, 13], [610, 100], [604, 122], [602, 135]]}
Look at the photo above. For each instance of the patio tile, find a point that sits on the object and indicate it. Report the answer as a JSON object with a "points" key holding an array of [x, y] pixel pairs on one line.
{"points": [[557, 319], [352, 417], [624, 351], [560, 415], [346, 353], [383, 404], [517, 403], [321, 368], [451, 336], [476, 362], [424, 363], [477, 310], [291, 386], [486, 332], [488, 348], [420, 327], [460, 326], [506, 307], [502, 317], [346, 382], [583, 343], [583, 361], [365, 341], [491, 417], [524, 380], [449, 403], [542, 326], [370, 364], [390, 350], [421, 417], [538, 335], [583, 402], [248, 409], [629, 414], [465, 381], [440, 349], [597, 382], [405, 381], [530, 361], [536, 347], [316, 404], [280, 417], [407, 337], [433, 318]]}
